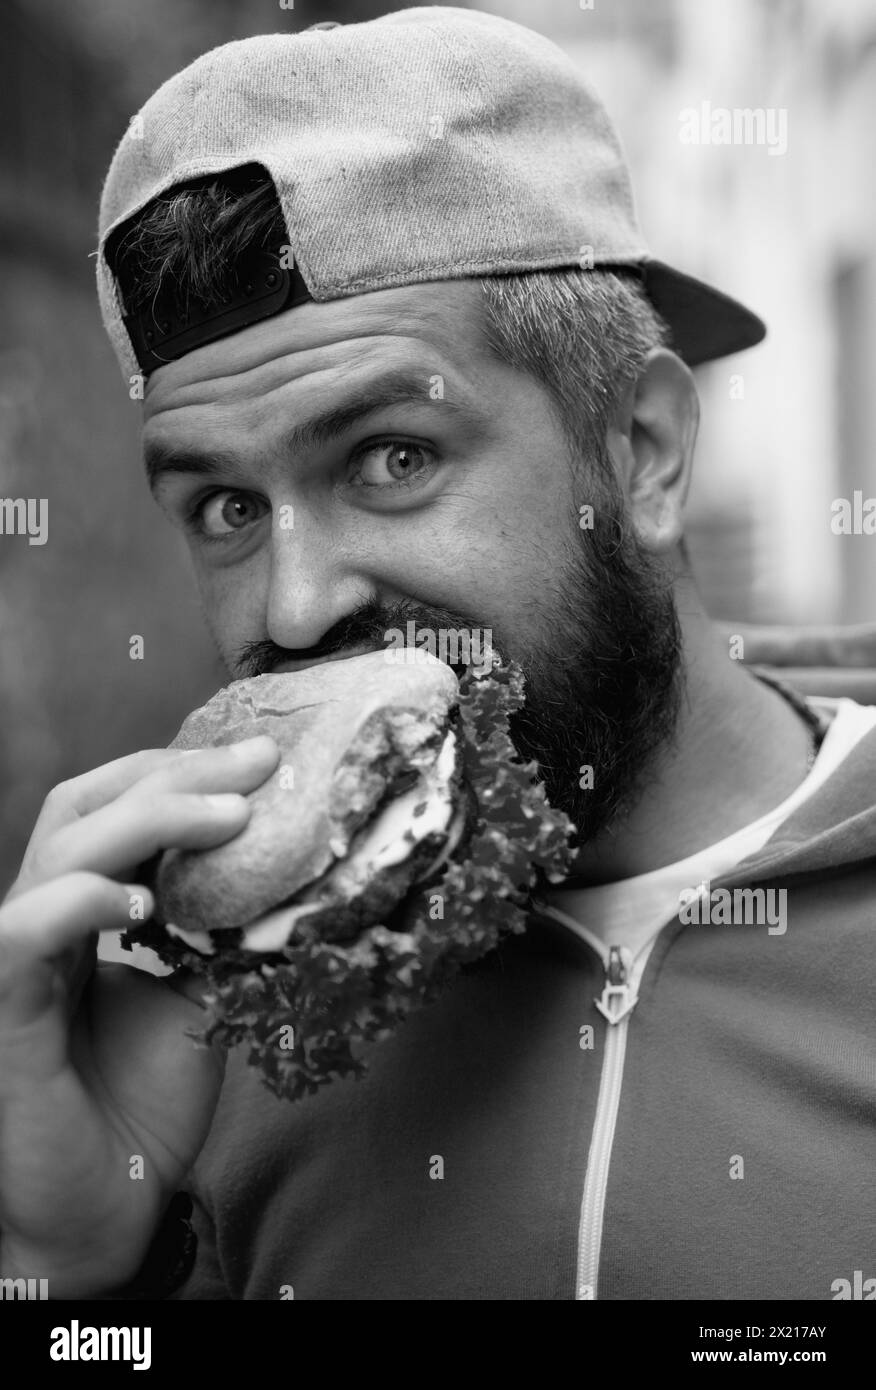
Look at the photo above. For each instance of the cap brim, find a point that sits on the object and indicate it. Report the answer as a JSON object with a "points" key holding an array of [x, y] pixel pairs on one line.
{"points": [[705, 323]]}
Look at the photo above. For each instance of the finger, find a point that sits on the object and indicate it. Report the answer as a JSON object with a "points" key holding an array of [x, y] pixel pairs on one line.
{"points": [[232, 767], [238, 767], [46, 948], [80, 795], [60, 914], [132, 829]]}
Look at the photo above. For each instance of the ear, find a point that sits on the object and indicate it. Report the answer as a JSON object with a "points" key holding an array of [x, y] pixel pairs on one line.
{"points": [[652, 444]]}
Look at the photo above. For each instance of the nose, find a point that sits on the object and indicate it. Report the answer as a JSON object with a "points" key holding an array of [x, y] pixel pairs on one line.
{"points": [[311, 586]]}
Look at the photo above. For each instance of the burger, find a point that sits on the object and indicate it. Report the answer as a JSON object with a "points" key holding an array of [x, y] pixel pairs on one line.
{"points": [[368, 792], [398, 840]]}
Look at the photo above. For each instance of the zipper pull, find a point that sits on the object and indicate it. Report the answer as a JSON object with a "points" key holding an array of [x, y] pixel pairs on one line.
{"points": [[618, 998]]}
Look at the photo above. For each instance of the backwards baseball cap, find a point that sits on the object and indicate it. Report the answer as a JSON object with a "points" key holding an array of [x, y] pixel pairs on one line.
{"points": [[431, 144]]}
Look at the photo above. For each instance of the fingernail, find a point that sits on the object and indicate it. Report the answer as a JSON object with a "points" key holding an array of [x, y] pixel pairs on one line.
{"points": [[248, 746]]}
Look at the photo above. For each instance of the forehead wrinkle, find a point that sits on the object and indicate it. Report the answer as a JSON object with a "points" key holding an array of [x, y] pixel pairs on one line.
{"points": [[280, 371], [273, 341], [248, 411]]}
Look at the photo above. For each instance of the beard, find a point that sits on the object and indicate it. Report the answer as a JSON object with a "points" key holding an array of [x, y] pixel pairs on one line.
{"points": [[604, 688], [604, 678]]}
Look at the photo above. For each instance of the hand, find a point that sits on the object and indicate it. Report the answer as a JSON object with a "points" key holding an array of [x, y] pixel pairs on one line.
{"points": [[98, 1079]]}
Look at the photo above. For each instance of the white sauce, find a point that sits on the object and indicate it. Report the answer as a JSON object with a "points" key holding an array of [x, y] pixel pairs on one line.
{"points": [[396, 829]]}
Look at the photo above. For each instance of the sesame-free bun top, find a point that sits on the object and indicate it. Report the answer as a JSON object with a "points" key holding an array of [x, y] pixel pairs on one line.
{"points": [[347, 730]]}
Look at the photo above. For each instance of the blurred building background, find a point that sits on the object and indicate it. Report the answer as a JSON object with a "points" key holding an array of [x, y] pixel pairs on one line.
{"points": [[787, 428]]}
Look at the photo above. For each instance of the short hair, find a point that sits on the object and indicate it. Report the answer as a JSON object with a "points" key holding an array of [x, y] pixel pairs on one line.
{"points": [[583, 334]]}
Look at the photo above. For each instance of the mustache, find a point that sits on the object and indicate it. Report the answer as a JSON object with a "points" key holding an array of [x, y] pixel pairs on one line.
{"points": [[368, 626]]}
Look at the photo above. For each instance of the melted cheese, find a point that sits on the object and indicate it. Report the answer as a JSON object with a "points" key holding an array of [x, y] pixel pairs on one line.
{"points": [[270, 933], [198, 940]]}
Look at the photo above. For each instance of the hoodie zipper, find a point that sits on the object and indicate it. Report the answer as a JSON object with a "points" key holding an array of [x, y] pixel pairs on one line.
{"points": [[619, 997]]}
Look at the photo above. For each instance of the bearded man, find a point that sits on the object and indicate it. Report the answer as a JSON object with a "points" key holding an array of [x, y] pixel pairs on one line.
{"points": [[386, 279]]}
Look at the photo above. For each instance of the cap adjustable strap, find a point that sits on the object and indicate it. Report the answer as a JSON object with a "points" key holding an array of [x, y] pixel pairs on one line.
{"points": [[168, 327], [264, 280]]}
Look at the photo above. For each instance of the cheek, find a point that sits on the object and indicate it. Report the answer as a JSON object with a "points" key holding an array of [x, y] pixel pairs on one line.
{"points": [[494, 552], [234, 603]]}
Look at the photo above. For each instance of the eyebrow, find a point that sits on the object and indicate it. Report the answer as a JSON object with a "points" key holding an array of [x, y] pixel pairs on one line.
{"points": [[393, 388]]}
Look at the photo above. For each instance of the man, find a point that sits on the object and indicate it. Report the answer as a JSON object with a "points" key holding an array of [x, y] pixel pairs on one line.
{"points": [[386, 279]]}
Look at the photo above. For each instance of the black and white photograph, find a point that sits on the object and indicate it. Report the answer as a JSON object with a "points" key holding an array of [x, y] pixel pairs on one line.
{"points": [[438, 679]]}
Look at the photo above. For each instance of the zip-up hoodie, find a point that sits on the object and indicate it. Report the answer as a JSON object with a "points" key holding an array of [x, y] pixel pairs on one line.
{"points": [[715, 1141]]}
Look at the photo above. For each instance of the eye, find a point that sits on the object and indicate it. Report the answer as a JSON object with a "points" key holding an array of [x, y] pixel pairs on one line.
{"points": [[389, 462], [223, 513]]}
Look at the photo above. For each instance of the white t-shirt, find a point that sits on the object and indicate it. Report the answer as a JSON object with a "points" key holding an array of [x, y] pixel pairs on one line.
{"points": [[629, 911]]}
